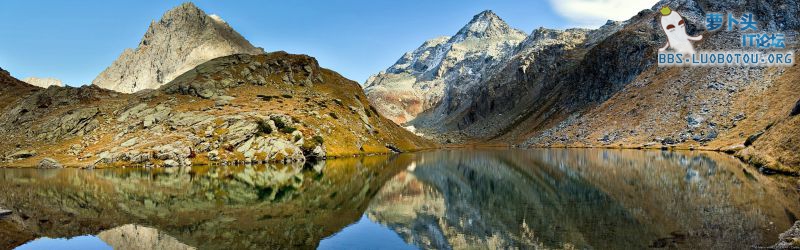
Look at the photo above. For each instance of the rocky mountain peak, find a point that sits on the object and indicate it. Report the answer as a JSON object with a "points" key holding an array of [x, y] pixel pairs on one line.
{"points": [[183, 38], [483, 25], [176, 18], [420, 79], [185, 9]]}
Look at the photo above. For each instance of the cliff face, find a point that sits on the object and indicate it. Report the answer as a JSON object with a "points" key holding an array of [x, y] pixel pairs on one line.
{"points": [[442, 68], [236, 109], [184, 38]]}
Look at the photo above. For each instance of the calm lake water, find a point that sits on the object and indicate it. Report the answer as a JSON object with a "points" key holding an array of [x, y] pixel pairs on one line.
{"points": [[449, 199]]}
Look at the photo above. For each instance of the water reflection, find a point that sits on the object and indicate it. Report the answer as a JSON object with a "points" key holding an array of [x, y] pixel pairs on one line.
{"points": [[547, 198], [582, 198], [246, 207]]}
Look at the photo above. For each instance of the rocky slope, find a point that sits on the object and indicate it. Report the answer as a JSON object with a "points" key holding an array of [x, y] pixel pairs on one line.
{"points": [[184, 38], [712, 108], [603, 88], [43, 82], [442, 68], [235, 109]]}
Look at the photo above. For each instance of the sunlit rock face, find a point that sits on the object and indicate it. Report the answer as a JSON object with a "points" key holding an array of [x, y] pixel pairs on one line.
{"points": [[581, 198], [43, 82], [422, 78], [184, 38]]}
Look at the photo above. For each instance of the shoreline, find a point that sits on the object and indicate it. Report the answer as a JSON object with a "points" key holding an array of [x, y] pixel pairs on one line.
{"points": [[762, 170]]}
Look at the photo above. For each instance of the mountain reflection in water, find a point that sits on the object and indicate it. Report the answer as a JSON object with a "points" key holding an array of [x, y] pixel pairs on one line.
{"points": [[446, 199]]}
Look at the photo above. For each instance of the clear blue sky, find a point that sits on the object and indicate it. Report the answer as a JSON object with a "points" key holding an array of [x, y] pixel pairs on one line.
{"points": [[75, 40]]}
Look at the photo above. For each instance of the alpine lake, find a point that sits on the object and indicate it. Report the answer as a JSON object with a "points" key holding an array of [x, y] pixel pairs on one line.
{"points": [[442, 199]]}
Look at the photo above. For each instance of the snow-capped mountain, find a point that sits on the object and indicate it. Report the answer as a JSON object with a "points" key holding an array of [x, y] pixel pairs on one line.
{"points": [[421, 79]]}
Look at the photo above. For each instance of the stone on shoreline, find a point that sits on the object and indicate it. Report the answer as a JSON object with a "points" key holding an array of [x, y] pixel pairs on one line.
{"points": [[49, 163]]}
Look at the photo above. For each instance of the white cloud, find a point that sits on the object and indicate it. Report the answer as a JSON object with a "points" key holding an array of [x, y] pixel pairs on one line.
{"points": [[597, 12]]}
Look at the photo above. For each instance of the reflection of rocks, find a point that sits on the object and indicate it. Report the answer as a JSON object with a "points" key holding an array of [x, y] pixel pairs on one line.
{"points": [[235, 207], [13, 233], [559, 198], [468, 199], [136, 237]]}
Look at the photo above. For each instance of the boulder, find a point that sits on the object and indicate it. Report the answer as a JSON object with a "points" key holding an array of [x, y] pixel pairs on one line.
{"points": [[149, 120], [317, 153], [22, 154], [752, 138], [240, 131], [105, 157], [796, 109], [205, 93], [132, 112], [171, 163], [213, 155], [49, 163], [129, 142], [280, 150], [175, 151], [137, 157], [223, 100], [393, 148], [4, 212]]}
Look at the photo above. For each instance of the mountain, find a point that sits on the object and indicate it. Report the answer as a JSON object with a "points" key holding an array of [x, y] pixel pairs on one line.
{"points": [[275, 107], [43, 82], [184, 38], [603, 88], [442, 67]]}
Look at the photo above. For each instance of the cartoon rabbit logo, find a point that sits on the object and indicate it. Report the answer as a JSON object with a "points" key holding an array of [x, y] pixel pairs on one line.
{"points": [[675, 28]]}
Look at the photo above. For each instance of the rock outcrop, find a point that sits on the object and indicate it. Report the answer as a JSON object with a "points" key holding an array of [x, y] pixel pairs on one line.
{"points": [[184, 38], [789, 239], [43, 82], [442, 68]]}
